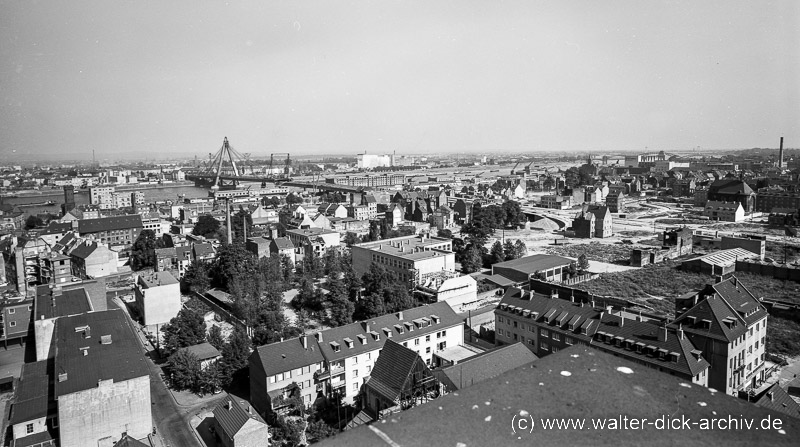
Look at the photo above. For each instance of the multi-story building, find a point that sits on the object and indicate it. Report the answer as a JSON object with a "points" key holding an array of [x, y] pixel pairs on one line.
{"points": [[410, 257], [316, 240], [101, 196], [768, 200], [359, 212], [97, 391], [12, 221], [338, 361], [556, 202], [91, 259], [733, 190], [372, 181], [114, 231], [158, 297], [548, 324], [15, 318], [615, 201], [593, 221], [729, 325], [724, 211]]}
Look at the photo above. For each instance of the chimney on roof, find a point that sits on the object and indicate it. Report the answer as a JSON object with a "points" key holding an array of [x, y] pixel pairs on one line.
{"points": [[680, 331], [400, 316], [770, 394], [621, 320], [229, 405], [366, 327], [318, 335], [304, 339], [662, 333]]}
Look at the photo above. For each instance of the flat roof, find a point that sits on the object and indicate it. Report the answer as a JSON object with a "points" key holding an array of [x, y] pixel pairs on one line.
{"points": [[50, 304], [155, 279]]}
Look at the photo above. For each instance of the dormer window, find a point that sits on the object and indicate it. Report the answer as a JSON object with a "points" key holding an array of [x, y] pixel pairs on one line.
{"points": [[435, 319], [399, 328], [349, 342], [335, 346], [387, 332], [362, 338], [409, 326]]}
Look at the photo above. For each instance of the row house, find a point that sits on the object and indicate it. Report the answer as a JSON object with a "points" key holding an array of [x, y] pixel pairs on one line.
{"points": [[337, 362], [177, 259], [115, 231], [766, 201], [547, 324], [593, 221], [724, 211]]}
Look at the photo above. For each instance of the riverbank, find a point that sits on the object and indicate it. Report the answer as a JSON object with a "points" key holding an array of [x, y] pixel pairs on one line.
{"points": [[60, 192]]}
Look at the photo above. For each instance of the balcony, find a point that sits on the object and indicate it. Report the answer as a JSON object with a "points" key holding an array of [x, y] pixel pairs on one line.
{"points": [[320, 375]]}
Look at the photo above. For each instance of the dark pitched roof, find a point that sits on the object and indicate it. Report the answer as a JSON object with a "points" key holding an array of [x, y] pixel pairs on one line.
{"points": [[203, 250], [124, 222], [121, 359], [84, 249], [168, 252], [777, 399], [55, 227], [486, 365], [282, 243], [730, 186], [287, 355], [231, 417], [725, 301], [32, 398], [203, 351], [183, 253], [392, 370]]}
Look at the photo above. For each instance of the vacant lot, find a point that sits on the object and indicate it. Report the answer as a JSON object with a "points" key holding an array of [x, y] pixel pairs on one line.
{"points": [[594, 251], [747, 227], [782, 337]]}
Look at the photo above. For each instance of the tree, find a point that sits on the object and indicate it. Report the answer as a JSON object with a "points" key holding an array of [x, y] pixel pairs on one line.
{"points": [[572, 269], [319, 430], [197, 277], [238, 220], [184, 370], [236, 350], [212, 379], [472, 260], [520, 249], [206, 226], [143, 252], [351, 239], [583, 262], [215, 337], [509, 250], [496, 254], [293, 198], [512, 213], [342, 311], [186, 329], [445, 233], [33, 222]]}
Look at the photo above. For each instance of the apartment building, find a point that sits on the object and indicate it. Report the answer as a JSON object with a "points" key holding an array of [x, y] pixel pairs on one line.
{"points": [[410, 257], [114, 231], [158, 297], [729, 325], [724, 211], [97, 392], [768, 200], [338, 361], [547, 324]]}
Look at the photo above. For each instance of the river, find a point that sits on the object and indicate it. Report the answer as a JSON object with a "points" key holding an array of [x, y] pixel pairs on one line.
{"points": [[82, 197]]}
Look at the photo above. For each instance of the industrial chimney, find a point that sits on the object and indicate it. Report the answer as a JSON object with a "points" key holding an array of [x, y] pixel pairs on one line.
{"points": [[780, 154]]}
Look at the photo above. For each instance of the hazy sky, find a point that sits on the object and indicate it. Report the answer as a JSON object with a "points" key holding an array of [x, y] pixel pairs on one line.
{"points": [[314, 77]]}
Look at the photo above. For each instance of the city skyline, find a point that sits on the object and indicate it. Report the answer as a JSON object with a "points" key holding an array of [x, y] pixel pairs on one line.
{"points": [[413, 77]]}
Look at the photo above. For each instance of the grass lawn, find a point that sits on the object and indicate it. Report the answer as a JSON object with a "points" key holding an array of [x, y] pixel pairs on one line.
{"points": [[782, 337]]}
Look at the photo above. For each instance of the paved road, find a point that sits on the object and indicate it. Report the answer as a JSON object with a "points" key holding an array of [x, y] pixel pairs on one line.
{"points": [[171, 421]]}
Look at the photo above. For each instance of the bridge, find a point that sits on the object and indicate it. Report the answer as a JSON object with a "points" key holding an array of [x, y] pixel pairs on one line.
{"points": [[227, 168]]}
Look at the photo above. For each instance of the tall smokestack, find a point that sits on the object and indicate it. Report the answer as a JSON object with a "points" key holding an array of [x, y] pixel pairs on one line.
{"points": [[69, 198], [780, 155], [228, 214]]}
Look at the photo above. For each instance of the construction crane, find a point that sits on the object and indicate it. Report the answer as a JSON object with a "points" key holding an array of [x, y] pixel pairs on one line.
{"points": [[287, 167]]}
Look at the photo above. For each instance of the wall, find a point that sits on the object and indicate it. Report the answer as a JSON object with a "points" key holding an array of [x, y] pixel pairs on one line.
{"points": [[107, 410], [43, 332], [159, 304], [777, 271], [102, 262], [39, 426]]}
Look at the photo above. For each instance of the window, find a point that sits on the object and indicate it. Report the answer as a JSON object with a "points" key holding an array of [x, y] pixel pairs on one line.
{"points": [[556, 336], [515, 324], [416, 342], [12, 311], [428, 350], [441, 345], [29, 429], [555, 349], [369, 369], [405, 344], [427, 338], [355, 387], [355, 373], [13, 324], [307, 384], [568, 340], [355, 360], [543, 332], [545, 346]]}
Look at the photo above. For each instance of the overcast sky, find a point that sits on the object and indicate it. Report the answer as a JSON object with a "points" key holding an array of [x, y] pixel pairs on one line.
{"points": [[315, 77]]}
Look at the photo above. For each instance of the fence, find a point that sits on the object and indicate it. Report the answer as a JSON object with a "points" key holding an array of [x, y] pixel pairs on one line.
{"points": [[777, 271], [579, 279]]}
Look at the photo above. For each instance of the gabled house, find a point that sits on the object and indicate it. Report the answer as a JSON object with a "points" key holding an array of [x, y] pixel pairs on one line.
{"points": [[206, 354], [91, 259], [400, 380], [236, 425], [282, 246]]}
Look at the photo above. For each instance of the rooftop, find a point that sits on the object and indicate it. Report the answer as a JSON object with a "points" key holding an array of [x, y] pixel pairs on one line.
{"points": [[56, 302], [94, 347], [534, 263], [124, 222], [231, 415], [32, 399], [484, 366], [578, 382], [156, 279]]}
